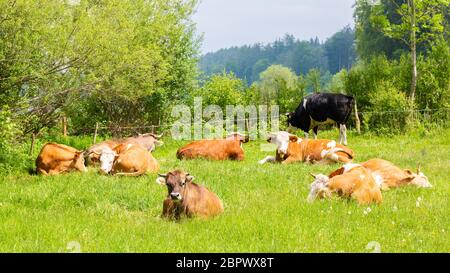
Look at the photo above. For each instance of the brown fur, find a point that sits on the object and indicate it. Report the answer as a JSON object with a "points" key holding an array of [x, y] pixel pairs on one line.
{"points": [[217, 149], [197, 201], [146, 141], [310, 151], [392, 175], [358, 183], [133, 160], [58, 158]]}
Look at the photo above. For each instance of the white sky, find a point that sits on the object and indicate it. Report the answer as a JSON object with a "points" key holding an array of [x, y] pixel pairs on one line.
{"points": [[226, 23]]}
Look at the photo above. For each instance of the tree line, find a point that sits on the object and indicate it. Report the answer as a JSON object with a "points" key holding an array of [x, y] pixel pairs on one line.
{"points": [[248, 61]]}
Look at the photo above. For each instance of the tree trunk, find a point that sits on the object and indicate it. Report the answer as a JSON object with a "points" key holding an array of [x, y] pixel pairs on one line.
{"points": [[413, 53], [357, 121]]}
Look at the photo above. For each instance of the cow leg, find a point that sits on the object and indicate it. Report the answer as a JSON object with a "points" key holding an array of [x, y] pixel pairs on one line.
{"points": [[267, 159], [306, 135], [315, 129], [343, 134]]}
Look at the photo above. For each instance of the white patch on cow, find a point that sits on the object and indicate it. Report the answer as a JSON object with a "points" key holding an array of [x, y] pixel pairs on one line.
{"points": [[281, 139], [319, 184], [308, 158], [129, 146], [335, 157], [299, 140], [378, 180], [324, 153], [349, 166], [331, 144], [361, 176], [304, 103], [107, 159]]}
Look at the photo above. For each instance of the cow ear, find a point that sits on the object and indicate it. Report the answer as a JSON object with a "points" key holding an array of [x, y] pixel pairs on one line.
{"points": [[293, 138], [409, 172], [161, 180], [189, 178]]}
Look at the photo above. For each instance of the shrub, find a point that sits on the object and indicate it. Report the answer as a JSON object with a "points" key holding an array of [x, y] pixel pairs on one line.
{"points": [[388, 113]]}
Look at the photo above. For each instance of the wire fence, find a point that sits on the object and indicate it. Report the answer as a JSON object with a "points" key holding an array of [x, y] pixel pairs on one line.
{"points": [[387, 118]]}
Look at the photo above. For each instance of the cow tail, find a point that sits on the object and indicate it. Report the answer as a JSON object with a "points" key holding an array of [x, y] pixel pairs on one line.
{"points": [[138, 173], [340, 150]]}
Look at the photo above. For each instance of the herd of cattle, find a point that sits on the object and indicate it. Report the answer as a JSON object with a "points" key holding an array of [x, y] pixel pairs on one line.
{"points": [[132, 156]]}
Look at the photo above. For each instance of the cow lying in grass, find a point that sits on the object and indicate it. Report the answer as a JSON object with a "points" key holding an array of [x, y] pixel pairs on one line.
{"points": [[355, 182], [391, 175], [215, 149], [186, 198], [58, 158], [127, 160], [147, 141], [291, 148]]}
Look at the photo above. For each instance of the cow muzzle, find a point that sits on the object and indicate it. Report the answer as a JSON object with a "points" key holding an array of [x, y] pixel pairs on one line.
{"points": [[175, 196]]}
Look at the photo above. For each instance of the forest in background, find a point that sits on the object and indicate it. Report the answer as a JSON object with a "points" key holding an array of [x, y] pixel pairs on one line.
{"points": [[248, 61], [127, 63]]}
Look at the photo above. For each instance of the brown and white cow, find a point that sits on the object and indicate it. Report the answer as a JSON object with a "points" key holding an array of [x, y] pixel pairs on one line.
{"points": [[128, 160], [58, 158], [215, 149], [186, 198], [356, 182], [147, 141], [291, 148], [391, 175]]}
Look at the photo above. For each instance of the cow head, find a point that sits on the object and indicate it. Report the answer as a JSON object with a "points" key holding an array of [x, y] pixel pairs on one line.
{"points": [[78, 162], [176, 182], [238, 136], [318, 187], [289, 118], [418, 178], [107, 158], [282, 139], [149, 141]]}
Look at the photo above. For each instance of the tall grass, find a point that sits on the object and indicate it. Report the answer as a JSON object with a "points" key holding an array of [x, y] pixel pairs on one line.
{"points": [[265, 206]]}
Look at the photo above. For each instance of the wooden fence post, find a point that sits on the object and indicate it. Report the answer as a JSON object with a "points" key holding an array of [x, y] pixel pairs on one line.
{"points": [[357, 121], [64, 126], [33, 141], [95, 132], [153, 129]]}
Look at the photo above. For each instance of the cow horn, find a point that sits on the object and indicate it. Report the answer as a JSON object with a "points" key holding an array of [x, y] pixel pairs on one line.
{"points": [[418, 168], [313, 175], [162, 175]]}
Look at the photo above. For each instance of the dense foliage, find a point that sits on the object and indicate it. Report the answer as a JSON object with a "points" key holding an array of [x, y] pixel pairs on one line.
{"points": [[114, 62]]}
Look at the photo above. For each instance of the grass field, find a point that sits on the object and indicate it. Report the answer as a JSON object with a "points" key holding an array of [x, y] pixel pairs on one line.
{"points": [[265, 206]]}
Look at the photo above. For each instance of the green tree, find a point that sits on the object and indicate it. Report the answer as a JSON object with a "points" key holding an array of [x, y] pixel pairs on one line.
{"points": [[421, 21], [222, 90], [314, 80], [340, 50], [278, 86]]}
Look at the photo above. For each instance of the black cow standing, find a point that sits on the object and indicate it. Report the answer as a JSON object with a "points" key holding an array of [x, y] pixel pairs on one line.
{"points": [[322, 108]]}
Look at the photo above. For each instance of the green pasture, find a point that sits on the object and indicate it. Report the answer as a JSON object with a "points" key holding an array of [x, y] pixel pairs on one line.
{"points": [[265, 205]]}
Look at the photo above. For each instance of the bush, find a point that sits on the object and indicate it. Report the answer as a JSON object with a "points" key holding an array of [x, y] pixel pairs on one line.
{"points": [[8, 133], [388, 113]]}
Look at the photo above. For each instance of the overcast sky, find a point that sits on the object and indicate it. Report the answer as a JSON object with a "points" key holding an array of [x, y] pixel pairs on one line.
{"points": [[226, 23]]}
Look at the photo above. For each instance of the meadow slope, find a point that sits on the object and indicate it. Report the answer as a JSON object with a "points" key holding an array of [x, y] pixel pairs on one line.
{"points": [[265, 206]]}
